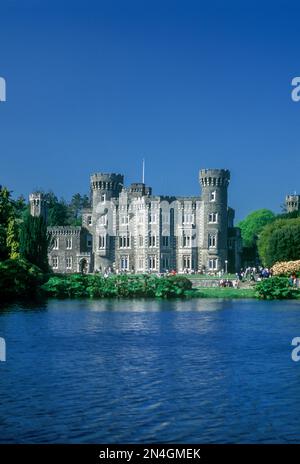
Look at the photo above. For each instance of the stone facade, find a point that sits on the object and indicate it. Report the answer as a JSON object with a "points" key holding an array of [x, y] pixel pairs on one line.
{"points": [[128, 229]]}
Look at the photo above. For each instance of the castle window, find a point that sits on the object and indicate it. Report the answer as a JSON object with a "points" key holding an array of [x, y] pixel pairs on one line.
{"points": [[140, 219], [213, 264], [152, 240], [152, 262], [55, 243], [124, 263], [102, 241], [55, 262], [186, 262], [141, 241], [103, 198], [141, 262], [124, 241], [124, 219], [165, 240], [69, 243], [89, 220], [188, 218], [165, 262], [187, 240], [152, 218], [212, 196], [213, 218], [69, 262], [89, 241], [212, 241]]}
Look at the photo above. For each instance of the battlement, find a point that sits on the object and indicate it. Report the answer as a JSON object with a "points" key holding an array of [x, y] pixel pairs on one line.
{"points": [[36, 197], [214, 177], [107, 181], [139, 189], [65, 230], [292, 198]]}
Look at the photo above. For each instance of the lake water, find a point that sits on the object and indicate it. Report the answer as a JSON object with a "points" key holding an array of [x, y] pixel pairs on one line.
{"points": [[198, 371]]}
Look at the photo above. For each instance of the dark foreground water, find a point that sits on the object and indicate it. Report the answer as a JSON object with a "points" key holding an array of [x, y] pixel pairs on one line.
{"points": [[147, 371]]}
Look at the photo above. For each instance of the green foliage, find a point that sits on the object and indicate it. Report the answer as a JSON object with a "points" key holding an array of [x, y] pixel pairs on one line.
{"points": [[6, 212], [279, 241], [76, 206], [19, 279], [253, 224], [284, 244], [275, 288], [61, 213], [116, 286], [34, 242], [12, 238]]}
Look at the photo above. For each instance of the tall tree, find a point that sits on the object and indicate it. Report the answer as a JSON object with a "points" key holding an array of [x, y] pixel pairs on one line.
{"points": [[34, 241], [274, 245]]}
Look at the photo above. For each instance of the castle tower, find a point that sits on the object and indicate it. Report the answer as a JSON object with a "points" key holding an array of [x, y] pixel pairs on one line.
{"points": [[292, 203], [105, 186], [213, 237], [38, 205]]}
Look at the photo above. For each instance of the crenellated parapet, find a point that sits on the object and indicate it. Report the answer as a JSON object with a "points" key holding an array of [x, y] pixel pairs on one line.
{"points": [[214, 177]]}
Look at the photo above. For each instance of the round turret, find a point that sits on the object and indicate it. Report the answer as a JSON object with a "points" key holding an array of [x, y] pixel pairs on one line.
{"points": [[105, 186], [214, 184]]}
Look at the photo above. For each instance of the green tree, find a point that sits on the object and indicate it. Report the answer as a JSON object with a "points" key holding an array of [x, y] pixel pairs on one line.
{"points": [[61, 213], [284, 244], [277, 241], [34, 242], [78, 202], [20, 207], [253, 224]]}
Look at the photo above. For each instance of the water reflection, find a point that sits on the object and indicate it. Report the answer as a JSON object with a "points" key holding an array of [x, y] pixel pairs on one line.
{"points": [[149, 371]]}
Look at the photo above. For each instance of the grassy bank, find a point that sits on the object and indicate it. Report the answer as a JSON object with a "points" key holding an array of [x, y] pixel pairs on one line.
{"points": [[220, 292]]}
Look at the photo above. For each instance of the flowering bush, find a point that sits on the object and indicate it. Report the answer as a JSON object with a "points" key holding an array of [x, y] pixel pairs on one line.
{"points": [[286, 268]]}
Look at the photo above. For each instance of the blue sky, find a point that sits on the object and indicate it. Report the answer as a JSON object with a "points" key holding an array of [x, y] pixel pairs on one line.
{"points": [[98, 85]]}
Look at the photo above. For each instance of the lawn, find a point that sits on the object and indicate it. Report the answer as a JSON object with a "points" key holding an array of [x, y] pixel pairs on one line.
{"points": [[221, 292]]}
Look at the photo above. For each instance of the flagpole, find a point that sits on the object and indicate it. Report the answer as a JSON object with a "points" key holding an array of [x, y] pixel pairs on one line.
{"points": [[143, 177]]}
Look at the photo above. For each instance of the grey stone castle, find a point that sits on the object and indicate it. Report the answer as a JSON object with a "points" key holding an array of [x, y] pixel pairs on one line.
{"points": [[128, 229]]}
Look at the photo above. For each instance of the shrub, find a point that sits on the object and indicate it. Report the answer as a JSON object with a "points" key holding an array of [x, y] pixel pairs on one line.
{"points": [[118, 286], [275, 288], [19, 279]]}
